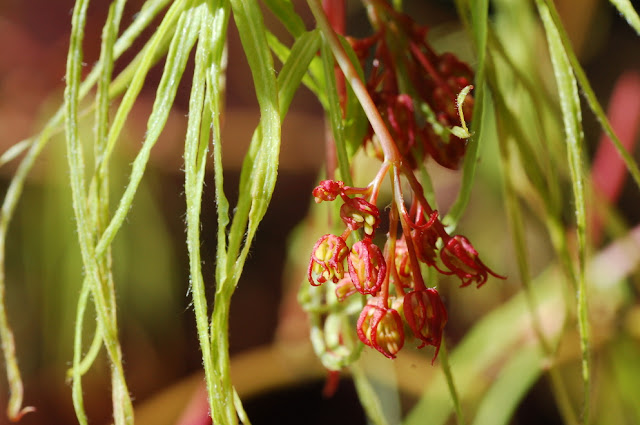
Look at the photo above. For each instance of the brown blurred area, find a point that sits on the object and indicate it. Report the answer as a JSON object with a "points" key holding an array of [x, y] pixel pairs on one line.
{"points": [[160, 351]]}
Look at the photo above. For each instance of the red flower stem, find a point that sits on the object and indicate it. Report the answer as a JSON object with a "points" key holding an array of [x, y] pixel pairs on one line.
{"points": [[387, 143], [406, 229], [377, 181], [416, 187], [430, 69], [393, 237]]}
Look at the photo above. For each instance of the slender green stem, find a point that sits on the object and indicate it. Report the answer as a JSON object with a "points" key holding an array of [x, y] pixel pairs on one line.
{"points": [[446, 368], [367, 396], [389, 148]]}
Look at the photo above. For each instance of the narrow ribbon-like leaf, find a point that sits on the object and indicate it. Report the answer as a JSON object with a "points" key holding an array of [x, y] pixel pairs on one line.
{"points": [[479, 18], [572, 118], [628, 12]]}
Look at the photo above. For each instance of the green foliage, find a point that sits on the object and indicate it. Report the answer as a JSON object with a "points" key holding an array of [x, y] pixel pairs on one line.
{"points": [[486, 375]]}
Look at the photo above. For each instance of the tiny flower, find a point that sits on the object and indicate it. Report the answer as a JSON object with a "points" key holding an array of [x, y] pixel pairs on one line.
{"points": [[367, 267], [424, 238], [381, 328], [462, 259], [426, 316], [345, 288], [327, 260], [357, 212], [402, 262], [328, 190]]}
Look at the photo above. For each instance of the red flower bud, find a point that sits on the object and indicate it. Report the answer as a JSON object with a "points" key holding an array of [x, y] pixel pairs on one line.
{"points": [[367, 267], [462, 259], [328, 190], [426, 316], [327, 260], [381, 328]]}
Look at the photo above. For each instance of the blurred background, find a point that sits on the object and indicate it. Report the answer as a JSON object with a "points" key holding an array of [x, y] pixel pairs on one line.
{"points": [[156, 322]]}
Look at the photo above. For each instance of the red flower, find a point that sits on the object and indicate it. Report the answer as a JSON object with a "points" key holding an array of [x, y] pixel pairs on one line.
{"points": [[328, 190], [403, 266], [327, 260], [357, 212], [462, 259], [425, 238], [367, 267], [345, 288], [426, 316], [381, 328]]}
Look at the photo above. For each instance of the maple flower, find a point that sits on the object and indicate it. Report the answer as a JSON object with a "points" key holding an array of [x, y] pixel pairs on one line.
{"points": [[426, 316], [462, 259], [367, 267], [327, 260], [357, 212], [345, 288], [328, 190], [381, 328], [402, 262]]}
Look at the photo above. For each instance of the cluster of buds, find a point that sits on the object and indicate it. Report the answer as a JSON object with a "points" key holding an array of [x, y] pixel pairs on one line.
{"points": [[398, 302], [435, 82]]}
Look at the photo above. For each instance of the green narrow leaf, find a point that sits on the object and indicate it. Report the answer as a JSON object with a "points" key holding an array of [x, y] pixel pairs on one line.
{"points": [[260, 168], [184, 38], [479, 20], [195, 155], [283, 9], [294, 69], [628, 12], [572, 119], [123, 410], [312, 79], [215, 98], [595, 106], [517, 376], [475, 360], [335, 115], [147, 58]]}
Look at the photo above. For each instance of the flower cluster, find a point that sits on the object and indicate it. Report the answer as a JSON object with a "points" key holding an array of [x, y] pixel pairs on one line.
{"points": [[418, 94], [391, 277], [436, 80]]}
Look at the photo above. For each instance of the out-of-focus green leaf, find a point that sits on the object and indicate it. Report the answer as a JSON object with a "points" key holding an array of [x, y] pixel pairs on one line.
{"points": [[174, 67], [335, 115], [516, 377], [481, 350], [313, 79], [283, 9], [260, 167], [626, 373], [626, 9], [296, 66], [572, 119], [479, 21]]}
